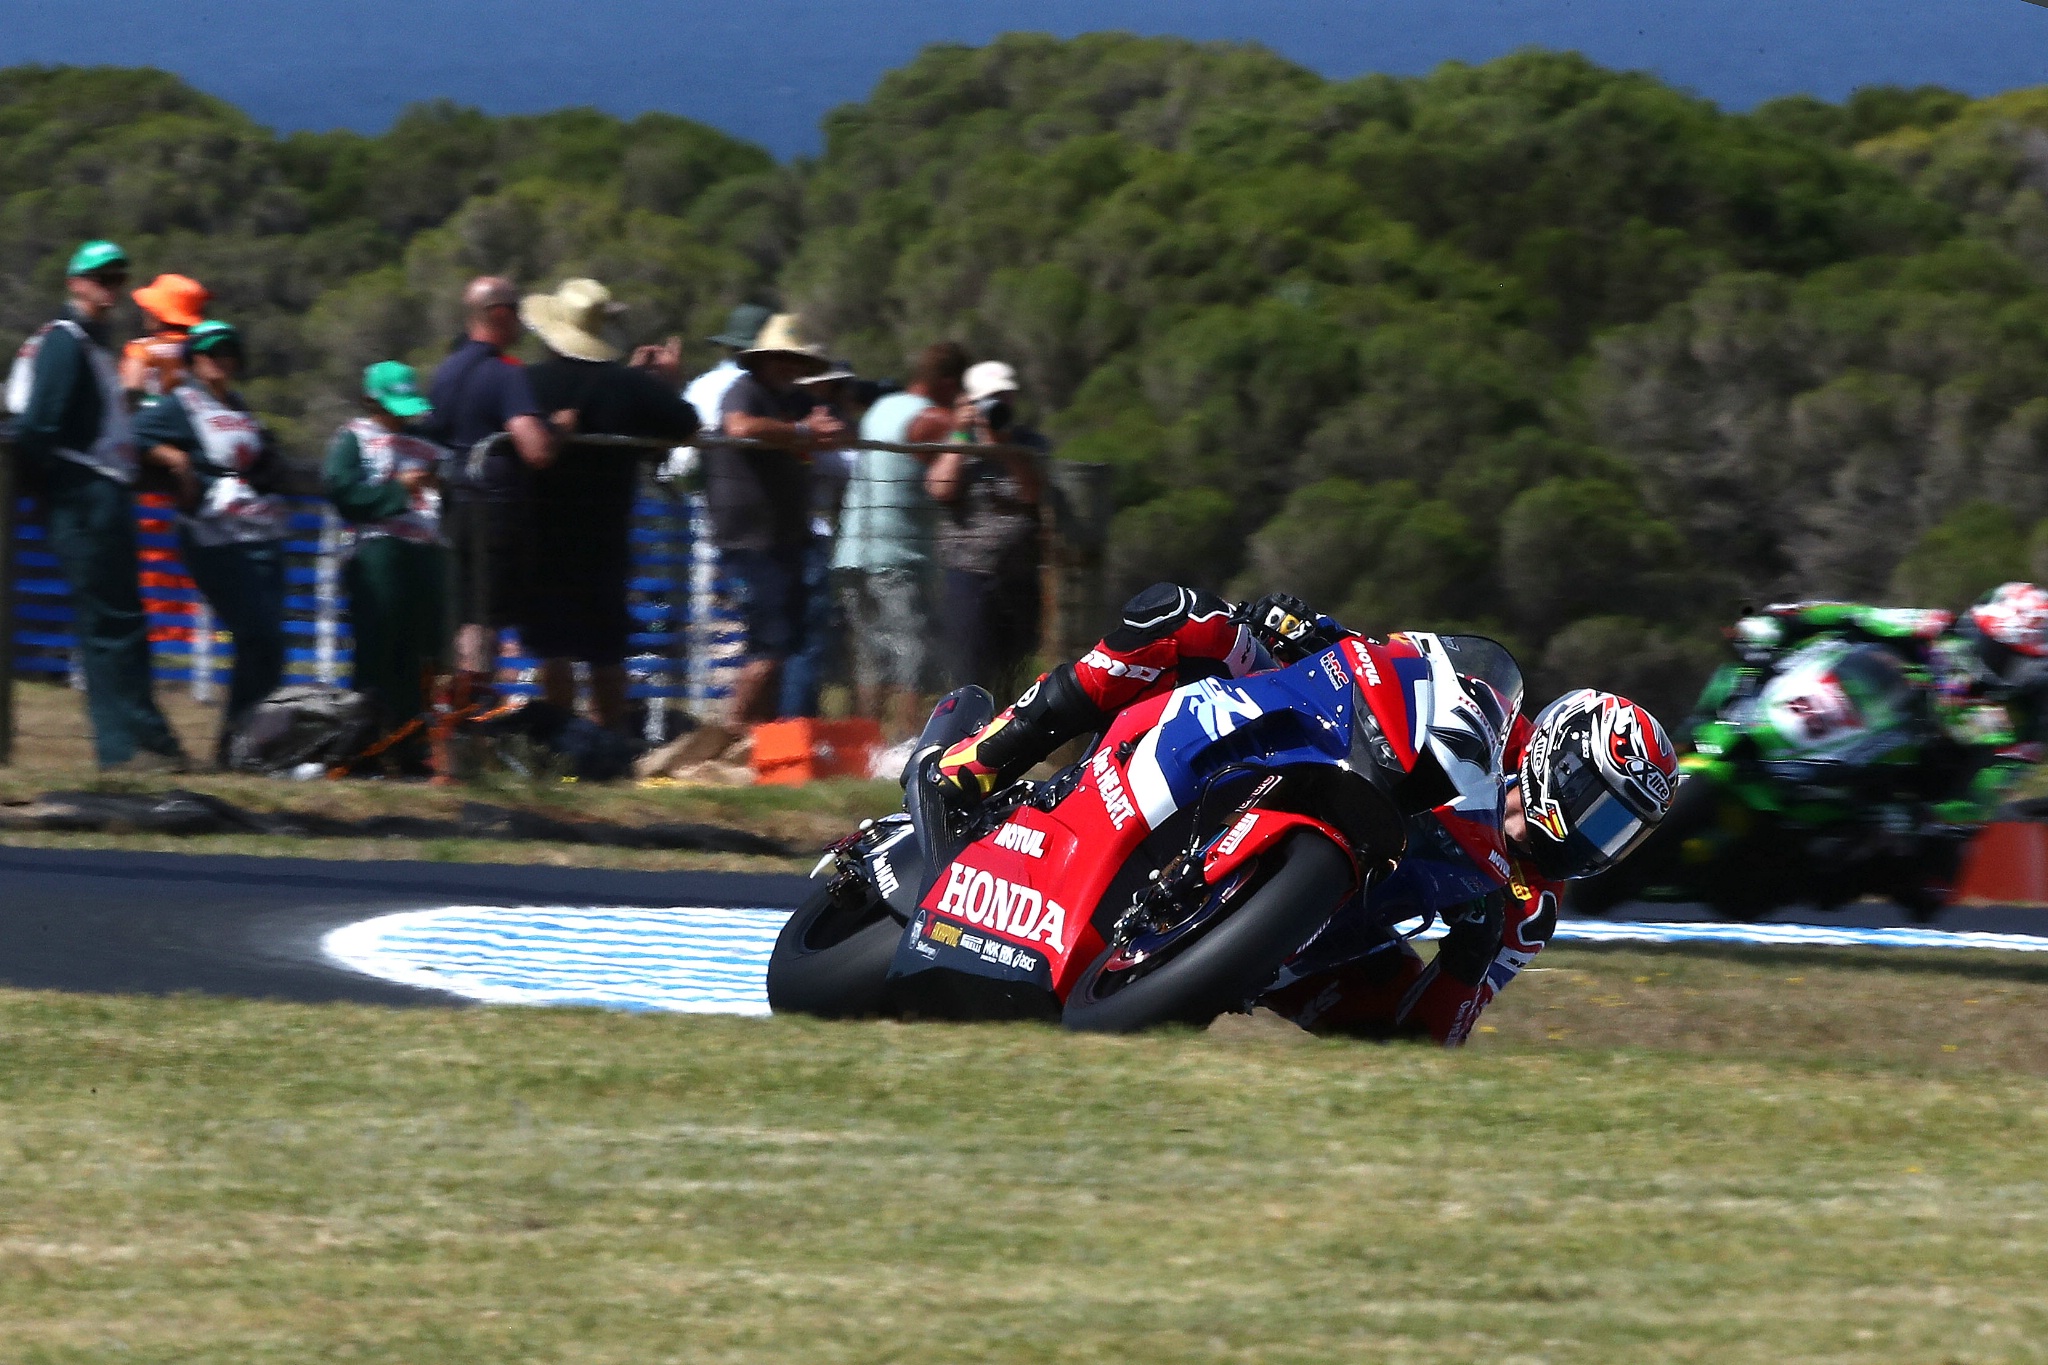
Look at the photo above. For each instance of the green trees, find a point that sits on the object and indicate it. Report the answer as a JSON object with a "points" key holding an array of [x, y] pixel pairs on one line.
{"points": [[1535, 347]]}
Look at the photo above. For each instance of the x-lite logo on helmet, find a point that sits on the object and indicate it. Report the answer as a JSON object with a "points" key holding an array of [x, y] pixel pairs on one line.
{"points": [[1633, 749]]}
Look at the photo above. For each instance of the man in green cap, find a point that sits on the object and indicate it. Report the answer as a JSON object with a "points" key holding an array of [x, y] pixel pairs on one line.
{"points": [[384, 480], [76, 446]]}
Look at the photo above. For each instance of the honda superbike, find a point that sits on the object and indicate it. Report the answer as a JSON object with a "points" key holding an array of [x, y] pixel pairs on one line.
{"points": [[1207, 839], [1829, 781]]}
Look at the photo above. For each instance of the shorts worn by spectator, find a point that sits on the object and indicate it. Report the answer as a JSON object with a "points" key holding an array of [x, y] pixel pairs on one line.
{"points": [[582, 504], [479, 392], [74, 442], [883, 556], [760, 501], [384, 482], [988, 541], [231, 522]]}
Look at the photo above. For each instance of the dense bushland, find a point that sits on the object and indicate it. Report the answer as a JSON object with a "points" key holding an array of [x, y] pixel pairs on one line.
{"points": [[1534, 346]]}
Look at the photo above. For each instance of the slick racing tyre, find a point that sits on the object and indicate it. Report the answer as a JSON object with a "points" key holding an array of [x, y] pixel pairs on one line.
{"points": [[1224, 964], [832, 958]]}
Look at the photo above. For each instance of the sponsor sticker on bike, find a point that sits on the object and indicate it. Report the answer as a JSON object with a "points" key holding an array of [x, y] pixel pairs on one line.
{"points": [[1021, 839], [993, 903], [1110, 785], [1229, 843]]}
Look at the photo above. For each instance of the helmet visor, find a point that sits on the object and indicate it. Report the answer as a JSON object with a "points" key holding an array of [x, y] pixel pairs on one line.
{"points": [[1600, 829]]}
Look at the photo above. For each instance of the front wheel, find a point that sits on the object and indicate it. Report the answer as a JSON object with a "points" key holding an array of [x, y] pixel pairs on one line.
{"points": [[1222, 967], [832, 958]]}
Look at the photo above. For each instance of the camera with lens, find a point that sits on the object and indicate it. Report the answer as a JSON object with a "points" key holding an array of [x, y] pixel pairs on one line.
{"points": [[997, 412]]}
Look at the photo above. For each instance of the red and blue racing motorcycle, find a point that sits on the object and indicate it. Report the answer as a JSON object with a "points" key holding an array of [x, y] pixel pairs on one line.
{"points": [[1210, 838]]}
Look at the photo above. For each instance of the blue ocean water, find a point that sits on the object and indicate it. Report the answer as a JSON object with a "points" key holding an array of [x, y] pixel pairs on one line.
{"points": [[767, 70]]}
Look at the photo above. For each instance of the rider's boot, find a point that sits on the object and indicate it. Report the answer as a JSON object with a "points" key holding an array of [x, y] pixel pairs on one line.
{"points": [[1052, 711]]}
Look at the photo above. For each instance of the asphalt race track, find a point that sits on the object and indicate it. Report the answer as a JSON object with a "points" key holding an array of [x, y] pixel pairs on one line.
{"points": [[318, 930], [148, 923]]}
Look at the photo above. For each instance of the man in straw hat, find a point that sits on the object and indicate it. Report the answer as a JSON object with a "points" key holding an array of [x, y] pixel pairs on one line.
{"points": [[75, 440], [760, 501], [581, 513]]}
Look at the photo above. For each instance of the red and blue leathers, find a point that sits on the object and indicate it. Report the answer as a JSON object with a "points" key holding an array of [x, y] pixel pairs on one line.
{"points": [[1372, 983]]}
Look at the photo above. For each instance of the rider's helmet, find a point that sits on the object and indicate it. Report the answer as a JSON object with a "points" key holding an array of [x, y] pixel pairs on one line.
{"points": [[2009, 631], [1597, 777]]}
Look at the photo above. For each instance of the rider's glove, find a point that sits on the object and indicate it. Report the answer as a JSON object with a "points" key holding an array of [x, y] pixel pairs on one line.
{"points": [[1285, 626]]}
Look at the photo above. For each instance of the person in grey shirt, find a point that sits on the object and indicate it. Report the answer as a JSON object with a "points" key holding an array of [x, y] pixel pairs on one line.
{"points": [[883, 557]]}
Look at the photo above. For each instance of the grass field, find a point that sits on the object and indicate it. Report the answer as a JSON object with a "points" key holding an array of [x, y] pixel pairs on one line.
{"points": [[1653, 1156]]}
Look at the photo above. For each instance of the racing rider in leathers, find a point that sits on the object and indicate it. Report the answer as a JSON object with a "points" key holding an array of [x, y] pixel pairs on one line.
{"points": [[1597, 771], [1986, 669]]}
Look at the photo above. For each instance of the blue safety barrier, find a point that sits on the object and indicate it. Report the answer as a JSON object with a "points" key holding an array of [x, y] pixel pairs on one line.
{"points": [[687, 638]]}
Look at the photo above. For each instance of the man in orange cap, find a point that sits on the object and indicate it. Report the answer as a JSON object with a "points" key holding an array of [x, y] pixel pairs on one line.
{"points": [[172, 305]]}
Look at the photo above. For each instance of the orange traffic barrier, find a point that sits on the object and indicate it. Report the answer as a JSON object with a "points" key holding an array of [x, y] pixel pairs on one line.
{"points": [[789, 752], [2006, 864]]}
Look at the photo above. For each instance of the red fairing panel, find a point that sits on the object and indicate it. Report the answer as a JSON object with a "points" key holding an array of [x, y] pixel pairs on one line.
{"points": [[1255, 833]]}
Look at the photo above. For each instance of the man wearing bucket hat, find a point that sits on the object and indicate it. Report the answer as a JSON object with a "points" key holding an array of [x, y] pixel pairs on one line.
{"points": [[707, 390], [172, 305], [760, 501], [76, 445], [384, 480], [582, 508]]}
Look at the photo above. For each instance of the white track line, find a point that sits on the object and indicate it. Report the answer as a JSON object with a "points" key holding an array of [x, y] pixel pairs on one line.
{"points": [[704, 960]]}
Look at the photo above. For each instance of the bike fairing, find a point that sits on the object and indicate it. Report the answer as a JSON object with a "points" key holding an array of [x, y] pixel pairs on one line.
{"points": [[1173, 745]]}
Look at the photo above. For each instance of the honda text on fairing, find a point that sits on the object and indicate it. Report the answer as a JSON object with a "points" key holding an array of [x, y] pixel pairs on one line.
{"points": [[1208, 838]]}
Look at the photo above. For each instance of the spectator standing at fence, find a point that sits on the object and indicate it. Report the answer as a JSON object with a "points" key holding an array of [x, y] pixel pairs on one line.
{"points": [[582, 509], [989, 537], [384, 480], [172, 305], [883, 553], [847, 397], [760, 503], [77, 448], [479, 392], [231, 521], [707, 391]]}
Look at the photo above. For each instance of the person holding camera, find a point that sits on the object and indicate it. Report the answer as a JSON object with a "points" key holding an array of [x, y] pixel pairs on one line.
{"points": [[988, 538]]}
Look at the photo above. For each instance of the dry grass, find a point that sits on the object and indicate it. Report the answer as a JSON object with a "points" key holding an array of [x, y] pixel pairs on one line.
{"points": [[1765, 1171], [53, 751]]}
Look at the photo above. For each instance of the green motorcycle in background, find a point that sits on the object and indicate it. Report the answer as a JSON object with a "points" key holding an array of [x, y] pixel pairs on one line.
{"points": [[1837, 773]]}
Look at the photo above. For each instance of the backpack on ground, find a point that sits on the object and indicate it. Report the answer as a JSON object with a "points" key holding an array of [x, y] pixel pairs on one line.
{"points": [[298, 725]]}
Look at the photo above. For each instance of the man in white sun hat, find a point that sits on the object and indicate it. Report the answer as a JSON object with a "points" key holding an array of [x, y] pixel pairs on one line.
{"points": [[760, 502]]}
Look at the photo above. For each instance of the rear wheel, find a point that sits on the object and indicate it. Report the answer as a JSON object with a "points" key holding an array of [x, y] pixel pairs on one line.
{"points": [[832, 958], [1195, 976]]}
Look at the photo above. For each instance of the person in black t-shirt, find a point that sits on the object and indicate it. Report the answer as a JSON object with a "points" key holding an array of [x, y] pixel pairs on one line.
{"points": [[479, 392], [581, 509], [760, 500]]}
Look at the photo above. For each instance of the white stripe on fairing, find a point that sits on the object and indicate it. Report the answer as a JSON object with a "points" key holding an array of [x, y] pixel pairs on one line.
{"points": [[701, 960], [1148, 781]]}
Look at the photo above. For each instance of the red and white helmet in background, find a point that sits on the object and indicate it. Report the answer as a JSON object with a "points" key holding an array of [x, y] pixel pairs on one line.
{"points": [[1598, 775], [2007, 632], [2016, 616]]}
